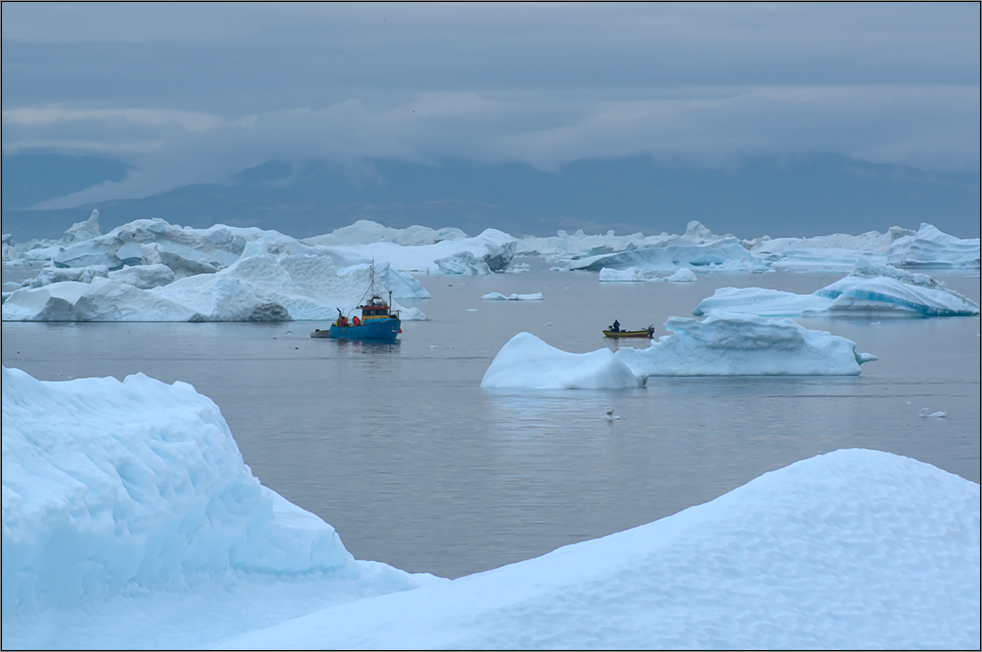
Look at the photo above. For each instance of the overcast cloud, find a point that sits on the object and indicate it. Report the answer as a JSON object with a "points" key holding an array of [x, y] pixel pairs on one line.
{"points": [[192, 93]]}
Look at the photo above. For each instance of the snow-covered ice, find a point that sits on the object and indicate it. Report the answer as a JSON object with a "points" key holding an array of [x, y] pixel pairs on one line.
{"points": [[880, 290], [130, 520], [526, 362], [725, 344]]}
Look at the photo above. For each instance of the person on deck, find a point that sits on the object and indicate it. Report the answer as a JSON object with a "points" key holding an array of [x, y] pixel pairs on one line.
{"points": [[617, 326]]}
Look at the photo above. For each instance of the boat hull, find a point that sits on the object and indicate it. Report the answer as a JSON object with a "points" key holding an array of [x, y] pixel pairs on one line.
{"points": [[619, 334], [375, 329]]}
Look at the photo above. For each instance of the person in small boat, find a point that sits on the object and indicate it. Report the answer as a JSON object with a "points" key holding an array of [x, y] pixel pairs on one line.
{"points": [[616, 327]]}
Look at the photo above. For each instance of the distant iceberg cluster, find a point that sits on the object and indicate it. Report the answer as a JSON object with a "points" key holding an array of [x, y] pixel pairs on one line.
{"points": [[870, 290], [131, 497], [150, 270]]}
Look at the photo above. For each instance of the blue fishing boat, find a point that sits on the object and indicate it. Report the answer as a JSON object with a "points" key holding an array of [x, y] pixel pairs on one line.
{"points": [[377, 322]]}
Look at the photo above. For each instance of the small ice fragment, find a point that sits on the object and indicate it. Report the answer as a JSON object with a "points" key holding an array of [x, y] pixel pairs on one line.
{"points": [[933, 415]]}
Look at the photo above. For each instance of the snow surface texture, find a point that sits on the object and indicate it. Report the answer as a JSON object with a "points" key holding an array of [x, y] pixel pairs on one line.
{"points": [[881, 291], [527, 362], [736, 344], [850, 550], [110, 487]]}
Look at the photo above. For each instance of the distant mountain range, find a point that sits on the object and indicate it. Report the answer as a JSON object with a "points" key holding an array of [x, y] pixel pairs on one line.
{"points": [[798, 196]]}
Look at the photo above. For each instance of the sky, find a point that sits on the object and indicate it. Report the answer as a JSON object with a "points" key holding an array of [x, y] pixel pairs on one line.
{"points": [[193, 93]]}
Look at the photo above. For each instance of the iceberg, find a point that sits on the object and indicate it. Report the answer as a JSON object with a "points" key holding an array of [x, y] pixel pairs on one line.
{"points": [[880, 290], [103, 299], [807, 556], [725, 254], [119, 490], [364, 232], [839, 251], [497, 296], [526, 362], [130, 520], [491, 251], [929, 247], [261, 287], [735, 344]]}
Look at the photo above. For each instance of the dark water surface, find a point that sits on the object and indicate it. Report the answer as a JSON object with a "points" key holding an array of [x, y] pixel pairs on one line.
{"points": [[399, 449]]}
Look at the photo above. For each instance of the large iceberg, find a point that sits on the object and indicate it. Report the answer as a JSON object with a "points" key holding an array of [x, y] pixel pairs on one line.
{"points": [[130, 520], [110, 485], [880, 290], [735, 344], [261, 287], [526, 362], [854, 549], [724, 254], [491, 251], [929, 247]]}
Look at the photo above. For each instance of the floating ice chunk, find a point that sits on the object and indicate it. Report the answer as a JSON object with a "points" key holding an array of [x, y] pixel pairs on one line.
{"points": [[734, 344], [526, 362], [929, 247], [365, 232], [491, 251], [870, 289], [497, 296], [926, 413], [725, 254]]}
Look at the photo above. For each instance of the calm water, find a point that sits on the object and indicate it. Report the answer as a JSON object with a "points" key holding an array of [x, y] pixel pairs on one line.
{"points": [[416, 466]]}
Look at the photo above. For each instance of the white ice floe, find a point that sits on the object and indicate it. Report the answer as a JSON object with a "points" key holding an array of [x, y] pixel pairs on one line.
{"points": [[497, 296], [880, 290], [735, 344], [926, 413], [130, 520], [526, 362]]}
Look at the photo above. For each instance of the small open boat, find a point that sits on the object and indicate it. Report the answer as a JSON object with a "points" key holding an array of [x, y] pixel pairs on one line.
{"points": [[648, 332], [377, 322]]}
